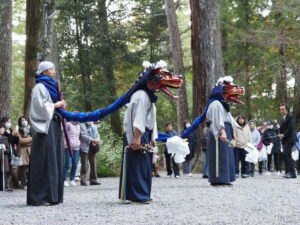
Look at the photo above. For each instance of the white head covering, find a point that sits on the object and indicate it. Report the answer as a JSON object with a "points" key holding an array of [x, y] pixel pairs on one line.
{"points": [[46, 65]]}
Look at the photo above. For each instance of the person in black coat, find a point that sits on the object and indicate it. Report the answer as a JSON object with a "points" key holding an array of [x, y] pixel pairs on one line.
{"points": [[270, 136], [287, 134], [187, 164]]}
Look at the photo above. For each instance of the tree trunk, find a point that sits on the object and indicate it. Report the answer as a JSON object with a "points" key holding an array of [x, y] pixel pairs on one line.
{"points": [[282, 79], [206, 52], [84, 66], [108, 63], [296, 71], [33, 46], [50, 41], [5, 57], [177, 57]]}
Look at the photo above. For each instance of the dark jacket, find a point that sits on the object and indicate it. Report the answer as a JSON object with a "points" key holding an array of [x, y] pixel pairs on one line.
{"points": [[192, 139], [170, 133], [270, 136], [287, 128]]}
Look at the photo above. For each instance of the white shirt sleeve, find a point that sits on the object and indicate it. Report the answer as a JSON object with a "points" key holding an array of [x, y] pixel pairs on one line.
{"points": [[215, 114], [41, 108]]}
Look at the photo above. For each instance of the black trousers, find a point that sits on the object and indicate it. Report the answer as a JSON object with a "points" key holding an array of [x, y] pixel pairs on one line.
{"points": [[169, 158], [287, 158], [276, 161]]}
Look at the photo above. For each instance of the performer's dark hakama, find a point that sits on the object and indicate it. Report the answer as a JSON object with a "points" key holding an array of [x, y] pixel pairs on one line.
{"points": [[136, 173], [221, 172], [46, 182]]}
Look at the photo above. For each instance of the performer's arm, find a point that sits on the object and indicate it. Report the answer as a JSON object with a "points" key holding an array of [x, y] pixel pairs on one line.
{"points": [[137, 139]]}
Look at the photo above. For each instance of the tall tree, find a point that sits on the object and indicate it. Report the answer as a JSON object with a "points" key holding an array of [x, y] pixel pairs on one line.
{"points": [[206, 52], [107, 59], [177, 57], [5, 56], [34, 15]]}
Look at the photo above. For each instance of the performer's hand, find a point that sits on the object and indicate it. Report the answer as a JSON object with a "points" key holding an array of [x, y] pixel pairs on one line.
{"points": [[223, 136], [60, 104], [136, 144], [153, 143], [281, 136]]}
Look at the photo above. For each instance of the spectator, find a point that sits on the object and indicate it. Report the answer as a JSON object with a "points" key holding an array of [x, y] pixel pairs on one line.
{"points": [[263, 158], [13, 140], [169, 158], [74, 134], [89, 140], [255, 140], [187, 164], [155, 158], [242, 137], [271, 137], [4, 161], [298, 148], [287, 134], [204, 140], [25, 137]]}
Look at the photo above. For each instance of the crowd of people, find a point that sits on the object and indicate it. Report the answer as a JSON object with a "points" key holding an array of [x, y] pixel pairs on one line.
{"points": [[275, 143], [40, 158], [84, 140]]}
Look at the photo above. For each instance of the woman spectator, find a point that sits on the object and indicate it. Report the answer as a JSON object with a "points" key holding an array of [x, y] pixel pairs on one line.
{"points": [[271, 137], [255, 140], [74, 133], [25, 137], [187, 164], [242, 137], [13, 141]]}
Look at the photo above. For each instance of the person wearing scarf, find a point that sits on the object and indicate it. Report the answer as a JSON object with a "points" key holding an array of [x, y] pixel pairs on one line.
{"points": [[46, 181]]}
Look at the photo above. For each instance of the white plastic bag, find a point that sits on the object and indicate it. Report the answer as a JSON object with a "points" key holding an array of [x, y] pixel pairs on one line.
{"points": [[253, 153], [263, 154], [179, 147], [269, 148], [295, 155]]}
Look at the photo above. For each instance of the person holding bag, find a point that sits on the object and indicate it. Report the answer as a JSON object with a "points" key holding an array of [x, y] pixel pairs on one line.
{"points": [[89, 146]]}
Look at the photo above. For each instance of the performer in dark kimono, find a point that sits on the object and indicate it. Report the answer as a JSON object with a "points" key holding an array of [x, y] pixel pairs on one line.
{"points": [[140, 129], [217, 110], [45, 183]]}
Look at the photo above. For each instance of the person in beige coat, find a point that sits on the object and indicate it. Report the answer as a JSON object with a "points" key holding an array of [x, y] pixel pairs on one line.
{"points": [[25, 137], [242, 137]]}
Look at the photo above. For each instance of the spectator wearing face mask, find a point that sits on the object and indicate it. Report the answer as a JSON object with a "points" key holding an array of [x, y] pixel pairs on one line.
{"points": [[25, 137], [187, 164], [255, 140], [271, 137], [13, 141], [4, 160]]}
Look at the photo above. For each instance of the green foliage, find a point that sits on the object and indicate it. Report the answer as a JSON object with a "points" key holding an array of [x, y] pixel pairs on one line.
{"points": [[251, 36], [110, 155]]}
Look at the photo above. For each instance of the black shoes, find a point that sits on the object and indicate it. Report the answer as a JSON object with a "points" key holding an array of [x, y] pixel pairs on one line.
{"points": [[291, 175], [95, 183], [205, 176], [83, 184]]}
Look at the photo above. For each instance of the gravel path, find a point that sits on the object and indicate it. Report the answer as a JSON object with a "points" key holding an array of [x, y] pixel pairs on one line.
{"points": [[260, 200]]}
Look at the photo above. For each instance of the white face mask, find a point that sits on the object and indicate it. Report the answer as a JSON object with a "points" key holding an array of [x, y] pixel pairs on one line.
{"points": [[188, 125], [7, 125], [24, 123]]}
